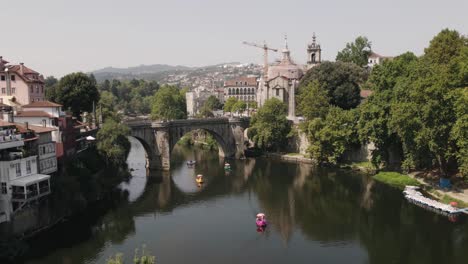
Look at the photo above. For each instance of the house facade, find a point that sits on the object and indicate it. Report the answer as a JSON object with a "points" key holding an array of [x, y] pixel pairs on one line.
{"points": [[20, 85], [242, 88]]}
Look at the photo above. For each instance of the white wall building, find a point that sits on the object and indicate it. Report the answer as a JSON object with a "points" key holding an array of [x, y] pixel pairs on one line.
{"points": [[20, 182]]}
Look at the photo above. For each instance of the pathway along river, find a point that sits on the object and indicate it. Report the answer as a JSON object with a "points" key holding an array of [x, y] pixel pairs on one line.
{"points": [[316, 216]]}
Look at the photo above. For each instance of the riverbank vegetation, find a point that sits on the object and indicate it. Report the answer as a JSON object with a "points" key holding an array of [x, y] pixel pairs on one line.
{"points": [[199, 138], [169, 103], [139, 258], [395, 179], [417, 115], [269, 127]]}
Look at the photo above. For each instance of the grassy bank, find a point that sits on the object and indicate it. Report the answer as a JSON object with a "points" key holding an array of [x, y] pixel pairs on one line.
{"points": [[395, 179]]}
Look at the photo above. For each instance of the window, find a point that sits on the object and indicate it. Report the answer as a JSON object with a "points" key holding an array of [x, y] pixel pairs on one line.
{"points": [[2, 77], [13, 90], [3, 90], [44, 122], [277, 92], [31, 89], [13, 78], [4, 188], [28, 166], [18, 169], [42, 88], [37, 88]]}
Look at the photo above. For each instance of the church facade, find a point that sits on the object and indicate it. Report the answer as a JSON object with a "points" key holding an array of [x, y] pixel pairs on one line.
{"points": [[282, 79]]}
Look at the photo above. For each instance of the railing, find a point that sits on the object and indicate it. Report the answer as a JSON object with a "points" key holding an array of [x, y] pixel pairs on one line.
{"points": [[10, 138], [44, 189], [18, 196]]}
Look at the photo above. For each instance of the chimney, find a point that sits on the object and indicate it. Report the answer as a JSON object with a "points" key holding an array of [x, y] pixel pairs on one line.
{"points": [[26, 124]]}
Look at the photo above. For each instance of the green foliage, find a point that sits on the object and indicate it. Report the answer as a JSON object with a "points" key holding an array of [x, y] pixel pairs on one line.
{"points": [[340, 80], [139, 258], [331, 136], [269, 127], [239, 106], [420, 107], [75, 91], [112, 142], [169, 103], [253, 105], [396, 179], [356, 52], [229, 104], [108, 106], [313, 102], [213, 103], [205, 111]]}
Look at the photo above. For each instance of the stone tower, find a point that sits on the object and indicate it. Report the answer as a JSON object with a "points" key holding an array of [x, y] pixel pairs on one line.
{"points": [[314, 53]]}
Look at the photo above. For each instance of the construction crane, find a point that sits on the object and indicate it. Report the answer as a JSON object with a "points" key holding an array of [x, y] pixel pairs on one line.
{"points": [[265, 55]]}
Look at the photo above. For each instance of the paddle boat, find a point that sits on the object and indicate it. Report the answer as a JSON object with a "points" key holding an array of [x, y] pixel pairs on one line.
{"points": [[191, 162], [199, 179], [261, 220], [227, 166]]}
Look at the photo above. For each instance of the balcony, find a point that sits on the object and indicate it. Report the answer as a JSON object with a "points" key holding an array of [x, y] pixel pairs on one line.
{"points": [[29, 188], [11, 141]]}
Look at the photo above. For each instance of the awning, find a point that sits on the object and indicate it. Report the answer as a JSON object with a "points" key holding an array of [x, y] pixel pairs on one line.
{"points": [[28, 180]]}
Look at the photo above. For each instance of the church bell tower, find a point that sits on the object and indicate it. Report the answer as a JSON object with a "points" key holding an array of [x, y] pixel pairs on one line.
{"points": [[314, 53]]}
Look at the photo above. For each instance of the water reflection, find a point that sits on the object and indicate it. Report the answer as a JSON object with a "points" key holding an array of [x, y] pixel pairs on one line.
{"points": [[316, 215]]}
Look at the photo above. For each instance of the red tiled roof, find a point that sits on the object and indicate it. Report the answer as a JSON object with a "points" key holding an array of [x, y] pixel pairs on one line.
{"points": [[251, 81], [33, 114], [36, 129], [42, 104], [366, 93]]}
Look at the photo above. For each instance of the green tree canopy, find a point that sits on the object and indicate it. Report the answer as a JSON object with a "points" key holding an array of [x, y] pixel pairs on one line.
{"points": [[340, 80], [269, 126], [239, 106], [228, 105], [75, 91], [169, 103], [313, 101], [213, 103], [356, 52], [112, 141]]}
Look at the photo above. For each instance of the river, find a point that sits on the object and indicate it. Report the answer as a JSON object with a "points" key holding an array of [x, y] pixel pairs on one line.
{"points": [[315, 216]]}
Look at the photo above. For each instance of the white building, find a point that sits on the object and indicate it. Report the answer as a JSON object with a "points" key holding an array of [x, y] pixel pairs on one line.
{"points": [[242, 88], [375, 59], [197, 97], [20, 182]]}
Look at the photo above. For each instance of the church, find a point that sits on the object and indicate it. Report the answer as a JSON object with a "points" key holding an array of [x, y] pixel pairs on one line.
{"points": [[282, 79]]}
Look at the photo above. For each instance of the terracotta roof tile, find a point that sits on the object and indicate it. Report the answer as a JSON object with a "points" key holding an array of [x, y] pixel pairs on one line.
{"points": [[36, 129], [42, 104], [251, 81], [33, 114]]}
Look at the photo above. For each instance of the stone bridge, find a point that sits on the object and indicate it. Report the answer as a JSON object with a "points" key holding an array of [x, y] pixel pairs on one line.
{"points": [[159, 138]]}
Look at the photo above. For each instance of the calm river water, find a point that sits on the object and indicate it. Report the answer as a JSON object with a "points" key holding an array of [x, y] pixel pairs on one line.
{"points": [[315, 216]]}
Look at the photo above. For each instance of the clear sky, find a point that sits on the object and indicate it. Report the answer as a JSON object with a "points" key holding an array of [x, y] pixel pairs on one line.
{"points": [[56, 37]]}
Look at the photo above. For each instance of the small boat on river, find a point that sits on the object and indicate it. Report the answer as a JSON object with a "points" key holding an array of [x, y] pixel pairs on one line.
{"points": [[227, 166], [191, 162], [199, 179], [261, 220]]}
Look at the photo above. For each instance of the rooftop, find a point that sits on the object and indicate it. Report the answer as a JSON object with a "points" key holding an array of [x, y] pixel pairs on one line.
{"points": [[37, 104], [251, 81], [33, 114]]}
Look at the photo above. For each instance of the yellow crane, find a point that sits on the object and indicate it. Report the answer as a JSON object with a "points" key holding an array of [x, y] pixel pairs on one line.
{"points": [[265, 55]]}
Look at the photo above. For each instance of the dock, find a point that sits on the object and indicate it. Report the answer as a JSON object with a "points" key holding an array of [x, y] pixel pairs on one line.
{"points": [[413, 195]]}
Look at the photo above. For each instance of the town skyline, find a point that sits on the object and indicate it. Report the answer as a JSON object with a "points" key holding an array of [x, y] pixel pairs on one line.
{"points": [[87, 36]]}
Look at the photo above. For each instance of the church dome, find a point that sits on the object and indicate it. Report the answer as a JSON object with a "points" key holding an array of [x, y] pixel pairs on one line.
{"points": [[286, 68]]}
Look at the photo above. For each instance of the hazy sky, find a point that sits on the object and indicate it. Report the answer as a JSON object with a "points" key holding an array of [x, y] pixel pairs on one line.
{"points": [[56, 37]]}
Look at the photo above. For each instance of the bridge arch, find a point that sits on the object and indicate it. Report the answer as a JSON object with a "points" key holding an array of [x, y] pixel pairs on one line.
{"points": [[159, 138]]}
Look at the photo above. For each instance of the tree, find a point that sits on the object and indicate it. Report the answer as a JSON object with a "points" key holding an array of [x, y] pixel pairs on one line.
{"points": [[112, 142], [340, 80], [228, 105], [313, 102], [213, 103], [75, 91], [357, 52], [108, 103], [331, 136], [168, 103], [239, 106], [269, 126], [50, 81]]}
